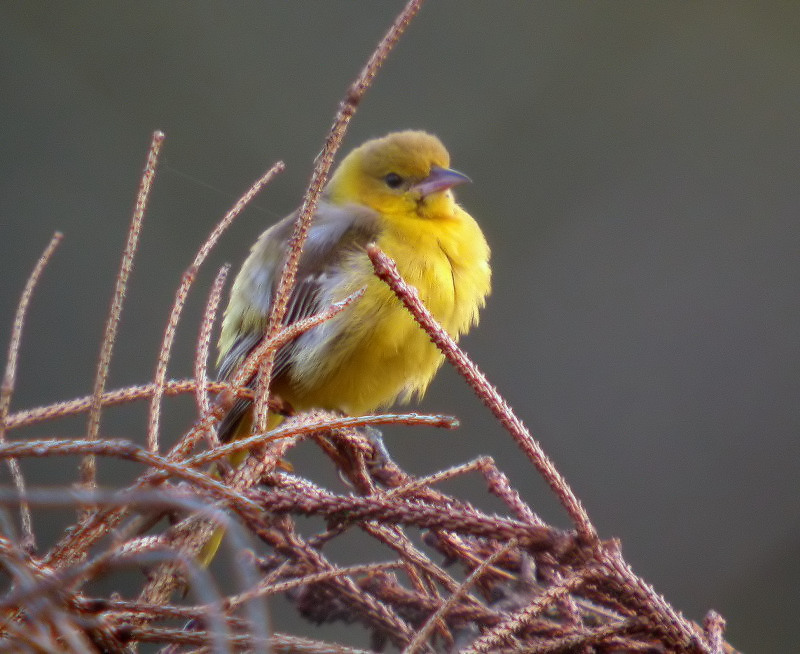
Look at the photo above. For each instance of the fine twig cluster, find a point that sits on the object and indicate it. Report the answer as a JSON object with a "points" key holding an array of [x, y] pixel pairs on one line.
{"points": [[448, 577]]}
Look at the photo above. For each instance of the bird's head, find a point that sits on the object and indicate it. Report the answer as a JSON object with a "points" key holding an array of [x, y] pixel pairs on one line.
{"points": [[402, 174]]}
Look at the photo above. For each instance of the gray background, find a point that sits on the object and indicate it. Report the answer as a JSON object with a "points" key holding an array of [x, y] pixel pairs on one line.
{"points": [[635, 169]]}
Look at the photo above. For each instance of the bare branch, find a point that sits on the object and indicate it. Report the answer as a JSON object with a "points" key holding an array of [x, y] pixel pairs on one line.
{"points": [[182, 294], [10, 377], [88, 469], [386, 269], [424, 633], [502, 635], [311, 198], [201, 358]]}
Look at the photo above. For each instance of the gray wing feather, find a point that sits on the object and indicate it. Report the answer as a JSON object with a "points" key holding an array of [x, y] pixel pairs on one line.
{"points": [[335, 232]]}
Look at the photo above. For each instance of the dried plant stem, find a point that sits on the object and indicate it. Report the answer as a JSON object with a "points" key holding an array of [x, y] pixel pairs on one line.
{"points": [[88, 467], [424, 633], [145, 391], [310, 423], [269, 587], [504, 632], [311, 197], [416, 565], [10, 378], [201, 357], [181, 296], [277, 643], [122, 546], [127, 450], [386, 269], [258, 464], [73, 546], [368, 607], [191, 535], [714, 626], [111, 398], [529, 587], [284, 644], [649, 603], [359, 509]]}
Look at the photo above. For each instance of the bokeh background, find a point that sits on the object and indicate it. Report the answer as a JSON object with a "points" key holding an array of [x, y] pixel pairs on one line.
{"points": [[635, 169]]}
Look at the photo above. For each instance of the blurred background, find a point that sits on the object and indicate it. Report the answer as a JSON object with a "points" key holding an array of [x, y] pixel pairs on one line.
{"points": [[635, 169]]}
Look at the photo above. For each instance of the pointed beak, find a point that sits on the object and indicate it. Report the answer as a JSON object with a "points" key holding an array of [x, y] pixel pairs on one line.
{"points": [[440, 179]]}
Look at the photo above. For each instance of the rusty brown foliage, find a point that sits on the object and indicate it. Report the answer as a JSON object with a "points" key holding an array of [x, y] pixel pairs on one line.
{"points": [[450, 577]]}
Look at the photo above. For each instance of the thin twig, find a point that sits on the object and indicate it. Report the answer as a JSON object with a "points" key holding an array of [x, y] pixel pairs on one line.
{"points": [[311, 197], [9, 381], [714, 626], [74, 545], [357, 510], [236, 386], [201, 356], [53, 583], [566, 594], [368, 608], [389, 535], [682, 632], [129, 451], [116, 397], [424, 632], [182, 294], [386, 269], [267, 587], [277, 643], [88, 466], [504, 632]]}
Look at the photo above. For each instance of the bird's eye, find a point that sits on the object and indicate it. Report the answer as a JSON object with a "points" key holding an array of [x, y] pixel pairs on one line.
{"points": [[393, 180]]}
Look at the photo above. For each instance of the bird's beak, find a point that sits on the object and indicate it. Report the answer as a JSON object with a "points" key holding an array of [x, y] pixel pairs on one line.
{"points": [[440, 179]]}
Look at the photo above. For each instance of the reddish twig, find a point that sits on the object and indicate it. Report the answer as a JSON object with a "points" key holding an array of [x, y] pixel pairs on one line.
{"points": [[387, 271], [311, 197], [116, 397], [464, 588], [310, 423], [356, 510], [180, 300], [10, 377], [88, 469], [132, 393], [682, 633], [201, 356], [502, 635], [528, 586], [268, 587], [714, 626]]}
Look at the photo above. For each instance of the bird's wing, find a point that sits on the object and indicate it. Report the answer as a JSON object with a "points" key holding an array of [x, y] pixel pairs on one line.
{"points": [[335, 232]]}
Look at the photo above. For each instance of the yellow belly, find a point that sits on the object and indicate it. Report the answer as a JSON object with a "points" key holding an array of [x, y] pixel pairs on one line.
{"points": [[379, 354]]}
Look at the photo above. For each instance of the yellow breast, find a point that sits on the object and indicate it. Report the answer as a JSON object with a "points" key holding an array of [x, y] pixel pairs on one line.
{"points": [[379, 354]]}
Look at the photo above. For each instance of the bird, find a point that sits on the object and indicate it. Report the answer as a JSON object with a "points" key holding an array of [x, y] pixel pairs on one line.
{"points": [[394, 191]]}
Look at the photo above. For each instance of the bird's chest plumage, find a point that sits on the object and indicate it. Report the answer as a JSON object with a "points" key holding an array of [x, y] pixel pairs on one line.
{"points": [[374, 353]]}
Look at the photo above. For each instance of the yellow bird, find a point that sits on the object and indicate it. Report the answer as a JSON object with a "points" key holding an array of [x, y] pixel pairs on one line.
{"points": [[394, 191]]}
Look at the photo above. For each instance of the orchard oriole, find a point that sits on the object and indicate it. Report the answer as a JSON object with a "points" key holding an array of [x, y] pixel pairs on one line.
{"points": [[394, 191]]}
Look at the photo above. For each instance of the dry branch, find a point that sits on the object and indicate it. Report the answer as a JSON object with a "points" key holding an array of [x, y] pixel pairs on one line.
{"points": [[88, 467], [9, 380]]}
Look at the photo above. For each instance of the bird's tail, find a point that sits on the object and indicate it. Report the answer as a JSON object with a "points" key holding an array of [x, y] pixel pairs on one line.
{"points": [[242, 429]]}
